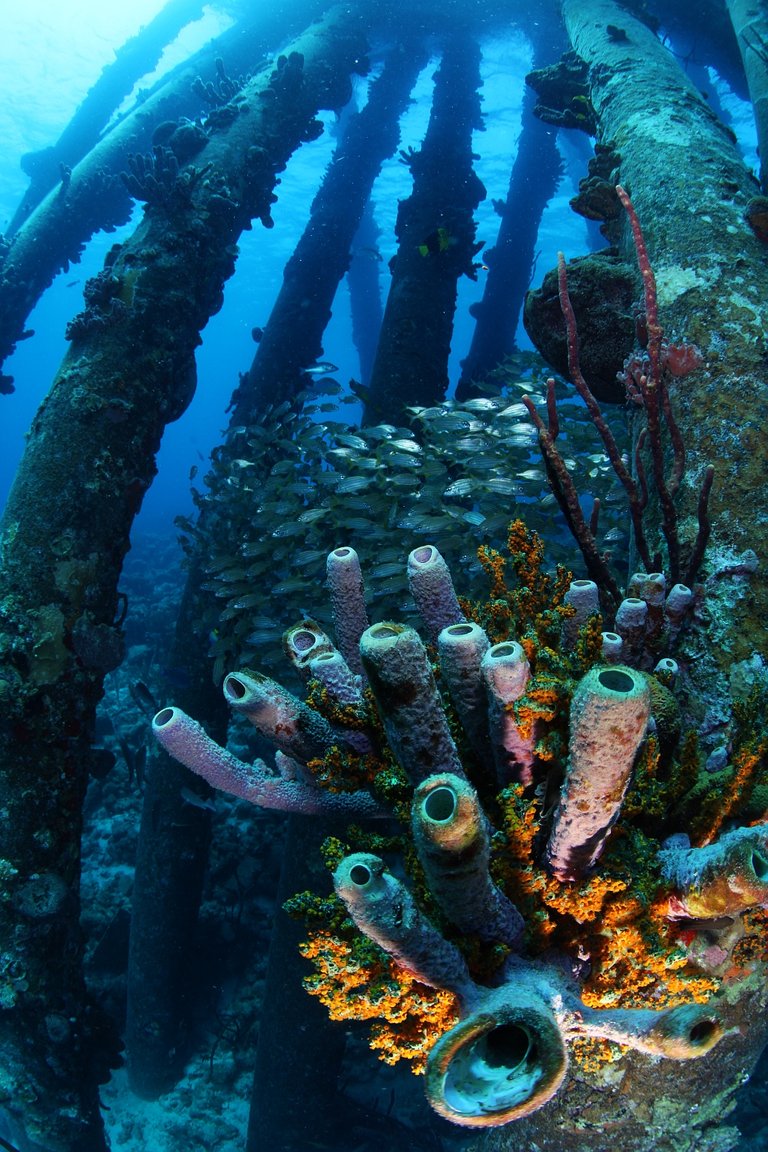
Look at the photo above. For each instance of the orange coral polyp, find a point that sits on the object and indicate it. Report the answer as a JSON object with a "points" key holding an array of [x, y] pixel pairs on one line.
{"points": [[493, 564], [409, 1016]]}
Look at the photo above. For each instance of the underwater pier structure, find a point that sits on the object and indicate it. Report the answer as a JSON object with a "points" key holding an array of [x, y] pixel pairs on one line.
{"points": [[523, 767]]}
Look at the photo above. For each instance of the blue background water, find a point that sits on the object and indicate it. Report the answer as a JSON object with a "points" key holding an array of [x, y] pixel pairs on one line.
{"points": [[50, 55]]}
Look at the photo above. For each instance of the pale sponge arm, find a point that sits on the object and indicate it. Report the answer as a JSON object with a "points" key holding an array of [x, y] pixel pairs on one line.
{"points": [[188, 742]]}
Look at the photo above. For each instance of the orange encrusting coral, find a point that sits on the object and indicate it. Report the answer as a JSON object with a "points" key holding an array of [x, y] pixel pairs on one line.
{"points": [[633, 968], [493, 564], [631, 949], [410, 1016], [747, 762], [592, 1053], [527, 551], [542, 700], [532, 609]]}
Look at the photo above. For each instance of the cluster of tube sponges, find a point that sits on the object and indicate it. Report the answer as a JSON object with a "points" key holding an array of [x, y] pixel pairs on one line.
{"points": [[508, 1054]]}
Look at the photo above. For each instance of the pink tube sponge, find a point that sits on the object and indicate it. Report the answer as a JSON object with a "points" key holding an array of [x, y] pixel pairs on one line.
{"points": [[506, 673], [188, 742], [345, 586], [609, 716], [432, 589]]}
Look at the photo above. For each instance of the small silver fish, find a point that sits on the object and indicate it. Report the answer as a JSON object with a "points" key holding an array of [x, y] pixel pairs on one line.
{"points": [[513, 411], [321, 368], [482, 404], [348, 440], [353, 484], [386, 571], [196, 801], [501, 485], [459, 488], [400, 459]]}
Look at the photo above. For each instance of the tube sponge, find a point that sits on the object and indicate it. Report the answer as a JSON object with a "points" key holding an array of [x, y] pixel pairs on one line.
{"points": [[631, 624], [506, 672], [303, 643], [583, 596], [461, 648], [409, 703], [189, 743], [384, 910], [432, 589], [345, 586], [721, 879], [451, 835], [504, 1060], [336, 676], [609, 715], [681, 1033], [289, 723]]}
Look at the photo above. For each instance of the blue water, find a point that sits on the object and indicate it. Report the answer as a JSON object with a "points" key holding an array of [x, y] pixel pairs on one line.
{"points": [[49, 59], [40, 87]]}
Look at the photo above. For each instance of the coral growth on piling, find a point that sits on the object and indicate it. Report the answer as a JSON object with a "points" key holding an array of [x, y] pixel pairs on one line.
{"points": [[550, 876]]}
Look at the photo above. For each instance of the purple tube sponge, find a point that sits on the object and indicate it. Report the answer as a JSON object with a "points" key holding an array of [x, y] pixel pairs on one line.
{"points": [[432, 589], [289, 723], [452, 840], [720, 879], [612, 647], [631, 624], [336, 676], [676, 608], [345, 689], [408, 701], [610, 710], [384, 911], [583, 596], [650, 587], [461, 648], [350, 619], [188, 742], [506, 673]]}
